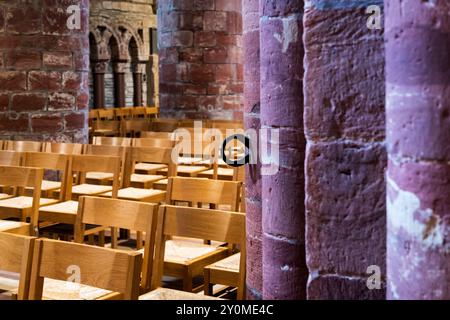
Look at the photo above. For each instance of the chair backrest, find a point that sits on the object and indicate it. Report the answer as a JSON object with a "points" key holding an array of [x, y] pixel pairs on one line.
{"points": [[106, 114], [22, 177], [164, 125], [10, 158], [134, 127], [198, 224], [103, 268], [130, 215], [122, 113], [157, 135], [24, 146], [150, 155], [81, 164], [16, 256], [138, 112], [151, 112], [153, 142], [62, 147], [50, 161], [112, 141], [196, 190]]}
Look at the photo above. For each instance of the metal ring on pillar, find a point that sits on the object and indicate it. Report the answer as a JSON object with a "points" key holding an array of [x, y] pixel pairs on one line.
{"points": [[241, 161]]}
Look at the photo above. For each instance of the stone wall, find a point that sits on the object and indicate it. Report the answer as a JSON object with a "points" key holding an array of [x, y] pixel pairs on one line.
{"points": [[200, 54], [43, 71]]}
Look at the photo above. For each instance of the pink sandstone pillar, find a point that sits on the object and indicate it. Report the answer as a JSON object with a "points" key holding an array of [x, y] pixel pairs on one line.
{"points": [[44, 68], [251, 59], [284, 268], [418, 139]]}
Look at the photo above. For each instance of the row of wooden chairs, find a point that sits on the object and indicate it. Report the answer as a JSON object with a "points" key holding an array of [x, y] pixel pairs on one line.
{"points": [[134, 127], [123, 113], [118, 274]]}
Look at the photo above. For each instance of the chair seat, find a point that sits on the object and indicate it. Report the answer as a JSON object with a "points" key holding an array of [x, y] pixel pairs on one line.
{"points": [[99, 175], [149, 167], [222, 173], [229, 264], [170, 294], [190, 160], [24, 202], [186, 170], [9, 281], [137, 194], [62, 290], [183, 251], [63, 207], [14, 227], [145, 178], [90, 189], [5, 196], [161, 184]]}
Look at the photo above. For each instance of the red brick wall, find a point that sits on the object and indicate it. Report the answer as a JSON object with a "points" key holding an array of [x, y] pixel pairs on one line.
{"points": [[43, 71], [200, 58], [346, 157]]}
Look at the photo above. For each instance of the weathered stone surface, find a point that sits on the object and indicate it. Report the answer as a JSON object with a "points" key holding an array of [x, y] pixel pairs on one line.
{"points": [[418, 128]]}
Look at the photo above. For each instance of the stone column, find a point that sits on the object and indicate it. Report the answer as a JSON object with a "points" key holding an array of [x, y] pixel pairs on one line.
{"points": [[251, 59], [138, 71], [200, 58], [44, 68], [283, 213], [99, 84], [119, 84], [418, 139]]}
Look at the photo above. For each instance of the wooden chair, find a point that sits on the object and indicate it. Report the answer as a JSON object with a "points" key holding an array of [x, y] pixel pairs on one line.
{"points": [[138, 112], [198, 223], [152, 112], [158, 135], [122, 214], [122, 113], [164, 125], [136, 187], [111, 274], [9, 158], [106, 114], [16, 258], [20, 206], [64, 148], [105, 178], [133, 127], [112, 141], [58, 163], [66, 212], [106, 128], [24, 146]]}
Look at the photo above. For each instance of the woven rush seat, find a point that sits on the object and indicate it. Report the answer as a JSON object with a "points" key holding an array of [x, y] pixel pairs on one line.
{"points": [[186, 170], [89, 189], [170, 294], [147, 195], [48, 185], [222, 173], [99, 175], [24, 202], [148, 168], [66, 206], [145, 178], [13, 226], [62, 290], [182, 251], [5, 196], [9, 281], [161, 184], [191, 160], [230, 264], [63, 212]]}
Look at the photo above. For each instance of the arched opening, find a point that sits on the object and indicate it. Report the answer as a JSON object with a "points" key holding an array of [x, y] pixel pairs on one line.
{"points": [[112, 83]]}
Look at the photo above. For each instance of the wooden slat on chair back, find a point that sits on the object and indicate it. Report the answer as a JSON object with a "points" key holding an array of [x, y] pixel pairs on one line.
{"points": [[10, 158], [164, 125], [153, 142], [197, 190], [135, 126], [106, 114], [130, 215], [65, 148], [16, 256], [102, 268], [112, 141], [157, 135], [111, 125], [199, 224], [150, 155], [51, 161], [24, 146], [137, 112], [151, 112]]}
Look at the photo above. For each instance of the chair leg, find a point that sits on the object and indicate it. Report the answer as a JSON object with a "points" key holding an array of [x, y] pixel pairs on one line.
{"points": [[187, 280], [207, 286], [91, 240], [101, 238], [139, 240], [114, 235]]}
